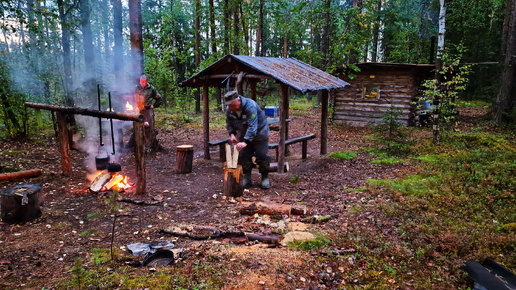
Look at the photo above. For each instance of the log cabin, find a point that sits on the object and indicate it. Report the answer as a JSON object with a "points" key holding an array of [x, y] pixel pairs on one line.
{"points": [[375, 88]]}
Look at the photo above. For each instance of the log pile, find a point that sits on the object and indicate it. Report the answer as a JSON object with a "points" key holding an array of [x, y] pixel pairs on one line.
{"points": [[269, 208]]}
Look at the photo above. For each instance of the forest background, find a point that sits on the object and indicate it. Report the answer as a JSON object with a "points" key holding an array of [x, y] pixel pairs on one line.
{"points": [[59, 51]]}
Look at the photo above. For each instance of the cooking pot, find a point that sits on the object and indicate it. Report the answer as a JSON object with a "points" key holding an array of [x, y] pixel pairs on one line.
{"points": [[102, 159]]}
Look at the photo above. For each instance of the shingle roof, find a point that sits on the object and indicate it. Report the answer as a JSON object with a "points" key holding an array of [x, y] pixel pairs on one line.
{"points": [[289, 71]]}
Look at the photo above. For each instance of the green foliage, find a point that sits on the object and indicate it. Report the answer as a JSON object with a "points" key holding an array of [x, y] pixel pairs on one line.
{"points": [[444, 93], [343, 155], [88, 232], [392, 134], [319, 242]]}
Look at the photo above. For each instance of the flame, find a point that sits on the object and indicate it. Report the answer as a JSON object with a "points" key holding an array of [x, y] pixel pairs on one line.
{"points": [[129, 107], [119, 182], [116, 181]]}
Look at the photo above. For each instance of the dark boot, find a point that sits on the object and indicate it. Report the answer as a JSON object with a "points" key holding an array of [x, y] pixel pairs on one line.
{"points": [[247, 180], [247, 166], [265, 181], [264, 166]]}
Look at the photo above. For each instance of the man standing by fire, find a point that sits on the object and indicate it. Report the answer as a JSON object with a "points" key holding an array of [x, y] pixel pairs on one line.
{"points": [[147, 98], [247, 127]]}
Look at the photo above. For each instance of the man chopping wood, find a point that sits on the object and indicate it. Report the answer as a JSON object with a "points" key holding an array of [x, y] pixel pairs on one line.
{"points": [[147, 98], [247, 127]]}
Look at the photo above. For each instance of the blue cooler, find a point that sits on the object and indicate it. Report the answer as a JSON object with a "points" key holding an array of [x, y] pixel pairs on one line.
{"points": [[271, 111]]}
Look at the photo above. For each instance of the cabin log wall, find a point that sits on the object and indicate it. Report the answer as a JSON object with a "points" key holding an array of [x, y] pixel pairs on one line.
{"points": [[397, 87]]}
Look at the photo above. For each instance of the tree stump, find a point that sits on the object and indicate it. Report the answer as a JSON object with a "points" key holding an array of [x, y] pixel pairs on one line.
{"points": [[184, 159], [233, 178], [21, 203]]}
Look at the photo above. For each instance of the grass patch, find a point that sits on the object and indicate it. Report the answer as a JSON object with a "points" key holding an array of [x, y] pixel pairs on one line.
{"points": [[94, 215], [15, 152], [315, 244], [391, 160], [89, 232], [343, 155]]}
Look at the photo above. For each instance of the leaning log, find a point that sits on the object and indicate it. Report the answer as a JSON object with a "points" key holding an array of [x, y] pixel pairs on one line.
{"points": [[19, 175], [87, 112], [269, 208]]}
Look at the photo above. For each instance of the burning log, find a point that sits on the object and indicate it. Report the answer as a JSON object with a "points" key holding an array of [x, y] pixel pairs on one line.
{"points": [[233, 178], [21, 203], [98, 183], [105, 181], [87, 112], [184, 159], [251, 208], [19, 175]]}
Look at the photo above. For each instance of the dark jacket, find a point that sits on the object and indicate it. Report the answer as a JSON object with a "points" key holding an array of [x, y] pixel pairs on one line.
{"points": [[250, 125], [149, 94]]}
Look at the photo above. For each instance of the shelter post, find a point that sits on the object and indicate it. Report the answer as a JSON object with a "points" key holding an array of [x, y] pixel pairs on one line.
{"points": [[206, 120], [139, 156], [324, 122], [283, 106], [252, 83], [64, 143]]}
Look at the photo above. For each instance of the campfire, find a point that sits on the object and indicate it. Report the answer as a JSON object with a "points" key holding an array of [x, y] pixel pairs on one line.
{"points": [[106, 181]]}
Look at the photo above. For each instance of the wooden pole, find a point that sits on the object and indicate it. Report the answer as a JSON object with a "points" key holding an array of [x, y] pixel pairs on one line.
{"points": [[87, 112], [64, 143], [206, 120], [19, 175], [139, 155], [324, 123], [283, 107]]}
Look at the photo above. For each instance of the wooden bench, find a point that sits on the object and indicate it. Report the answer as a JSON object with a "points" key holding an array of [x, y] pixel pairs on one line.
{"points": [[303, 139], [222, 147]]}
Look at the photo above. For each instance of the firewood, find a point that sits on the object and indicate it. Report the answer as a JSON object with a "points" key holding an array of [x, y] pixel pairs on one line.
{"points": [[233, 178], [139, 202], [251, 208], [98, 183], [232, 236], [20, 174]]}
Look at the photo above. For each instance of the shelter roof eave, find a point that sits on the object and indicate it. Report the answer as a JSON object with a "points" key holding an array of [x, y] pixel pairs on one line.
{"points": [[289, 71]]}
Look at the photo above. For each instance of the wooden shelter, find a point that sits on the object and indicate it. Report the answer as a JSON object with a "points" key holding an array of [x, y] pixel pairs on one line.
{"points": [[375, 88], [288, 72]]}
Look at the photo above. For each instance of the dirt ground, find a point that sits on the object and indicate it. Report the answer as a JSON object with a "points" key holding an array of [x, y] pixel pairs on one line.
{"points": [[38, 254]]}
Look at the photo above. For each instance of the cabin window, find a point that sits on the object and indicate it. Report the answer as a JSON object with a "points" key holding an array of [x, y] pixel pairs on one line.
{"points": [[372, 93]]}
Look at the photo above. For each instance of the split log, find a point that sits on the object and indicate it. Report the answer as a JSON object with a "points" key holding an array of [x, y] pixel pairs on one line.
{"points": [[184, 158], [19, 175], [251, 208], [21, 203], [87, 112], [98, 183], [233, 178]]}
